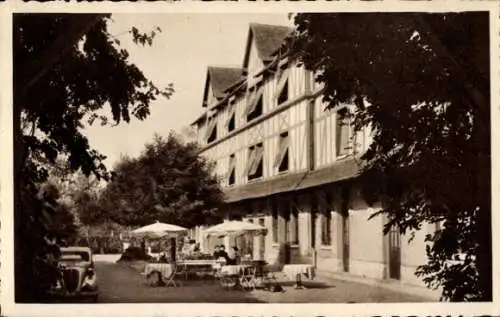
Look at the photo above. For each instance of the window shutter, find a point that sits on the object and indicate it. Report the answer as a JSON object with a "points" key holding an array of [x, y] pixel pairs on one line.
{"points": [[282, 78], [230, 113], [283, 148], [251, 158], [210, 127], [232, 166], [259, 152], [253, 100]]}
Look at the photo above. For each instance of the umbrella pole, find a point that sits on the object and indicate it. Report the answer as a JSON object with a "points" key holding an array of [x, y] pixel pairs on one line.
{"points": [[173, 250]]}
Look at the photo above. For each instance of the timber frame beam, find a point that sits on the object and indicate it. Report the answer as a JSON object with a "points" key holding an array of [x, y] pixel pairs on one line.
{"points": [[262, 118]]}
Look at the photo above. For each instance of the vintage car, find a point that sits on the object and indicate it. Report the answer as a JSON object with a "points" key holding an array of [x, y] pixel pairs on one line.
{"points": [[77, 274]]}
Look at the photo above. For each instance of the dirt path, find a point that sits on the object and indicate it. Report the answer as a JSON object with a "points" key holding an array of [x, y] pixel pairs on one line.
{"points": [[121, 284]]}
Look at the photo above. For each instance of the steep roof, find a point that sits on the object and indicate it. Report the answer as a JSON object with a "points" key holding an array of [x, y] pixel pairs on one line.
{"points": [[268, 39], [222, 78]]}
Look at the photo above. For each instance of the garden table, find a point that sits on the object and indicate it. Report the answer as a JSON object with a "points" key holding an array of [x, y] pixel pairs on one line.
{"points": [[296, 271], [164, 268], [198, 266], [231, 274], [160, 274]]}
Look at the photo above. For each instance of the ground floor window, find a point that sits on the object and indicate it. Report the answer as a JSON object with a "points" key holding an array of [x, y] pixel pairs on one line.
{"points": [[274, 211], [326, 220], [294, 223], [326, 230]]}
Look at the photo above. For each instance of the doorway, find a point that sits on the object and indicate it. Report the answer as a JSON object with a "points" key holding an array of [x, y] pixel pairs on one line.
{"points": [[314, 212], [262, 241], [345, 228]]}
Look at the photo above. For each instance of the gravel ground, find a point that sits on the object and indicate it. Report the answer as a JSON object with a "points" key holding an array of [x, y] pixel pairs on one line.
{"points": [[121, 284]]}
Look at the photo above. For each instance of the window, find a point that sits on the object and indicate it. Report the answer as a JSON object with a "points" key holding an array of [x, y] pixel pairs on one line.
{"points": [[343, 133], [231, 178], [255, 161], [231, 115], [281, 161], [283, 96], [231, 124], [211, 133], [274, 213], [326, 221], [262, 222], [282, 84], [255, 105]]}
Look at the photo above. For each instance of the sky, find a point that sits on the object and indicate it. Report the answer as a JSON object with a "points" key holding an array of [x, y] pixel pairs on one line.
{"points": [[180, 54]]}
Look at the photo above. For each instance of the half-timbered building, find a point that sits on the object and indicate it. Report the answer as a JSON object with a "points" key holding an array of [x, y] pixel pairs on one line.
{"points": [[290, 164]]}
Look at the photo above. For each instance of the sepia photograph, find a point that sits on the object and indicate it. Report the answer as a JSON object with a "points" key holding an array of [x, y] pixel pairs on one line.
{"points": [[249, 157]]}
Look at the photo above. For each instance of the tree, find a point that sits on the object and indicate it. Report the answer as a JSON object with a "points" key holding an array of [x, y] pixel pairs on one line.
{"points": [[169, 182], [68, 71], [422, 82]]}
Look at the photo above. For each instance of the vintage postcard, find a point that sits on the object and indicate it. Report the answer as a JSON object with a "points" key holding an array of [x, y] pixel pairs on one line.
{"points": [[213, 159]]}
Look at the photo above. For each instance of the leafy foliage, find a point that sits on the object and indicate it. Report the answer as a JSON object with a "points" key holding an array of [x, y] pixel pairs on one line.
{"points": [[421, 81], [169, 182], [68, 71], [135, 254]]}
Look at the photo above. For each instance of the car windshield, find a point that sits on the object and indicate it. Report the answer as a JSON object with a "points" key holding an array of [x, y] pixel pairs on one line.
{"points": [[74, 256]]}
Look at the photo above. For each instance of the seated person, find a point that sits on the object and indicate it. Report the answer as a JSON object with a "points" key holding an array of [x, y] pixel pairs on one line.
{"points": [[232, 257], [223, 253], [192, 246], [217, 252], [163, 258]]}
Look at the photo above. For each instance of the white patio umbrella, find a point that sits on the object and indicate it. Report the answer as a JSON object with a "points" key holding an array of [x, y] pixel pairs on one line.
{"points": [[159, 229], [235, 228]]}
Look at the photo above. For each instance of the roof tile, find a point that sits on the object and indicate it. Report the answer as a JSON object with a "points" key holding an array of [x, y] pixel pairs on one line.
{"points": [[222, 78], [268, 38]]}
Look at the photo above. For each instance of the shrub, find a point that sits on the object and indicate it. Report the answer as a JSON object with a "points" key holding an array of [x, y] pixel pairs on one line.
{"points": [[134, 254]]}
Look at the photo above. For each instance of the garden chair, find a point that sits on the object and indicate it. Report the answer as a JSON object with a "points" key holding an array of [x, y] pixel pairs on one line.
{"points": [[182, 271], [171, 280], [247, 278]]}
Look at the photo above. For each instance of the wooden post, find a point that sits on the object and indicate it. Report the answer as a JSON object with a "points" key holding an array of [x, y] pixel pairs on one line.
{"points": [[309, 122]]}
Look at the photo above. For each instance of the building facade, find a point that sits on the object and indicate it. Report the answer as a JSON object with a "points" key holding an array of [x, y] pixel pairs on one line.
{"points": [[290, 164]]}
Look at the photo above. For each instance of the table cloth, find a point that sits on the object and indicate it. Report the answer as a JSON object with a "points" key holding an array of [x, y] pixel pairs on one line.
{"points": [[197, 262], [292, 270], [233, 269], [164, 268]]}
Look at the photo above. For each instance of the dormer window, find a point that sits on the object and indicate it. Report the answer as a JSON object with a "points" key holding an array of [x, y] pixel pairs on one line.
{"points": [[282, 86], [283, 96], [231, 117], [211, 132]]}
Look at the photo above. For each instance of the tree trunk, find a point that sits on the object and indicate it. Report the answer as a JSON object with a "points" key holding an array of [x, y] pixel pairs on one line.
{"points": [[481, 136], [19, 277], [483, 221]]}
